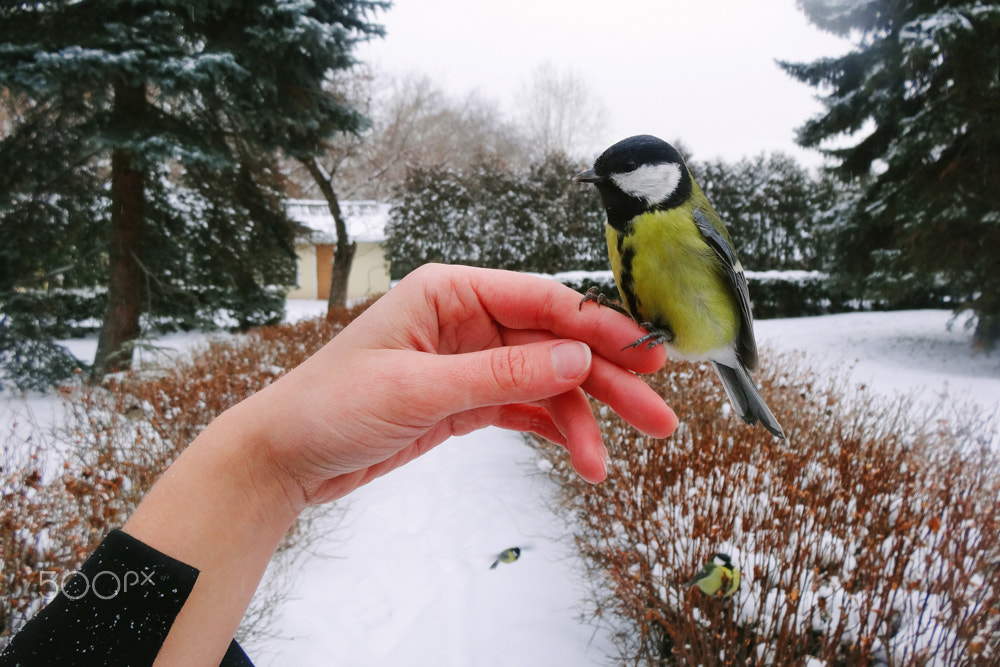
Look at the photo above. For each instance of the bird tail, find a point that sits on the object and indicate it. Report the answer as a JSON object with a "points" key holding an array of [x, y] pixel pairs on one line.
{"points": [[495, 563], [746, 399]]}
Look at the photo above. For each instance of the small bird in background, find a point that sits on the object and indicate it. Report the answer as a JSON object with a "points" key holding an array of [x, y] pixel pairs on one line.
{"points": [[507, 556], [718, 577], [676, 268]]}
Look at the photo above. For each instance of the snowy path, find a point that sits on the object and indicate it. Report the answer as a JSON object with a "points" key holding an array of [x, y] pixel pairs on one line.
{"points": [[409, 582]]}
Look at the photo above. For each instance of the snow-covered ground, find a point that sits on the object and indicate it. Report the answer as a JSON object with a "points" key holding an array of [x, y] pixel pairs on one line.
{"points": [[407, 577], [925, 352]]}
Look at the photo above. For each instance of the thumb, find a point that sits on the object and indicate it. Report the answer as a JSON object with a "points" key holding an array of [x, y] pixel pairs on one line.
{"points": [[512, 374]]}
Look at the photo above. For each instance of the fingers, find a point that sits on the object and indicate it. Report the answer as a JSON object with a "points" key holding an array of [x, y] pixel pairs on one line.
{"points": [[572, 414], [549, 372], [631, 398], [529, 419], [565, 420], [505, 375], [626, 394], [518, 301]]}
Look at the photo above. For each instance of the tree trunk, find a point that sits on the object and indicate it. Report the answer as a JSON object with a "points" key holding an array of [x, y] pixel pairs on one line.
{"points": [[987, 331], [343, 253], [343, 257], [125, 279]]}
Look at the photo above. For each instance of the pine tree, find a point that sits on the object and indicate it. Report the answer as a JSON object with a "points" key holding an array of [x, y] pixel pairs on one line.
{"points": [[915, 106], [180, 106]]}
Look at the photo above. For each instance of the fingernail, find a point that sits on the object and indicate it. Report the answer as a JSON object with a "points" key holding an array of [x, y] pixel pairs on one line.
{"points": [[570, 360], [602, 450]]}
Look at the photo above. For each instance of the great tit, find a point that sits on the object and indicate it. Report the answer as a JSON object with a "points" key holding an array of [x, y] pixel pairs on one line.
{"points": [[675, 266], [718, 577], [507, 556]]}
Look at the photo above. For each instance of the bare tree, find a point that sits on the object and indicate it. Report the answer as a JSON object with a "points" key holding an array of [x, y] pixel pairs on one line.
{"points": [[414, 122], [354, 88], [559, 113], [411, 122]]}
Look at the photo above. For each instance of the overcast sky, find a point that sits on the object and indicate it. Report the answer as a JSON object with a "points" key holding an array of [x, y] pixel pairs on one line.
{"points": [[699, 70]]}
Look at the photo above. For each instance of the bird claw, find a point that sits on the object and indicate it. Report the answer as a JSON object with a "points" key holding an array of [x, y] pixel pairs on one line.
{"points": [[597, 296], [655, 336]]}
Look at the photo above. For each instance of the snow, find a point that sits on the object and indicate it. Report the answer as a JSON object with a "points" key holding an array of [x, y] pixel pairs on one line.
{"points": [[785, 276], [927, 353], [402, 576], [365, 220], [301, 309], [409, 579], [410, 583]]}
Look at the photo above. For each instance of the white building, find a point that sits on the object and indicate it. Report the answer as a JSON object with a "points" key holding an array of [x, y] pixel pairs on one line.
{"points": [[366, 221]]}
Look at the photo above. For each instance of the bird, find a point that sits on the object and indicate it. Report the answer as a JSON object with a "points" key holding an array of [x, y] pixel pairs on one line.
{"points": [[718, 577], [507, 556], [676, 268]]}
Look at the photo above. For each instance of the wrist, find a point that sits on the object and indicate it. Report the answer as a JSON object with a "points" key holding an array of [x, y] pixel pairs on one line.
{"points": [[222, 509], [223, 486], [268, 488]]}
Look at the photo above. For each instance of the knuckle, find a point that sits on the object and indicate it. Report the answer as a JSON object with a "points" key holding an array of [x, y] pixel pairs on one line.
{"points": [[510, 368]]}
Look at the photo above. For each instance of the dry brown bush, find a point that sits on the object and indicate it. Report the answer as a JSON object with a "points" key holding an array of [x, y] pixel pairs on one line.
{"points": [[868, 538], [65, 488]]}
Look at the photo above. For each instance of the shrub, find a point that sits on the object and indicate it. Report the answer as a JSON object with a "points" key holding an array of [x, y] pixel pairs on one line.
{"points": [[63, 491], [782, 293], [865, 538], [533, 219]]}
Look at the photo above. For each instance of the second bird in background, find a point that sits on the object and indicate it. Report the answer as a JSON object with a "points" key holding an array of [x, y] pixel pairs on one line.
{"points": [[675, 266], [507, 556], [718, 577]]}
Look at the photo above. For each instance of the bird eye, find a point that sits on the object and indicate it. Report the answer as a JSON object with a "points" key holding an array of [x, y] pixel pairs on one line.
{"points": [[629, 166]]}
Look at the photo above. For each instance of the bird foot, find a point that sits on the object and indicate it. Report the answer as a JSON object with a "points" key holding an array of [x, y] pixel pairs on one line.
{"points": [[655, 336], [594, 294]]}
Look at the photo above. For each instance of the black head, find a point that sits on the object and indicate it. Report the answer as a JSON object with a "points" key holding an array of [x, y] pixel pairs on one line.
{"points": [[723, 559], [639, 174]]}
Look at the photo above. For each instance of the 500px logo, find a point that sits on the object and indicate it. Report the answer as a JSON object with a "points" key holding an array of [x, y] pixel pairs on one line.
{"points": [[104, 584]]}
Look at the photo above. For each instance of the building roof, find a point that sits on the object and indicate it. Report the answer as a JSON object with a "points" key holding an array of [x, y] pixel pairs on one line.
{"points": [[366, 220]]}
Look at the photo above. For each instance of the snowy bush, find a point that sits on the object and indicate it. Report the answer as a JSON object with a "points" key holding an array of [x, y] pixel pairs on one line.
{"points": [[791, 293], [776, 209], [535, 219], [774, 293], [865, 538], [64, 491]]}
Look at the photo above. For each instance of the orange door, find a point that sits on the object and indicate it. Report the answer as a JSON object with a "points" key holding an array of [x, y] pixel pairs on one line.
{"points": [[324, 270]]}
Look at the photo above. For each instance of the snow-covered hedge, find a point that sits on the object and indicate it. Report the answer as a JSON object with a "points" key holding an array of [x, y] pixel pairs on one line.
{"points": [[64, 490], [778, 293], [791, 293], [866, 538]]}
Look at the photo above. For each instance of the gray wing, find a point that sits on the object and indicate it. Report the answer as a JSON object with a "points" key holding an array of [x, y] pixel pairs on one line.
{"points": [[746, 346]]}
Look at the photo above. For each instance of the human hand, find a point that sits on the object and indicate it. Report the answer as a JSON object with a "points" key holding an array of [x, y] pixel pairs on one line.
{"points": [[447, 351]]}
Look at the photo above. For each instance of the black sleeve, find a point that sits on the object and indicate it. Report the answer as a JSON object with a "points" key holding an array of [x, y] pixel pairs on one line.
{"points": [[116, 610]]}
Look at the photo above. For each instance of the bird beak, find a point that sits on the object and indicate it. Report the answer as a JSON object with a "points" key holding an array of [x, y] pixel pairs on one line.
{"points": [[589, 176]]}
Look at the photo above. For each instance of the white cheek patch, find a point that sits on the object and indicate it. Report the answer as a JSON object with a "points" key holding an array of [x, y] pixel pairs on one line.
{"points": [[652, 182]]}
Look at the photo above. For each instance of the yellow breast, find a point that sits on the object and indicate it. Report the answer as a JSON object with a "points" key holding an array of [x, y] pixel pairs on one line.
{"points": [[669, 276]]}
